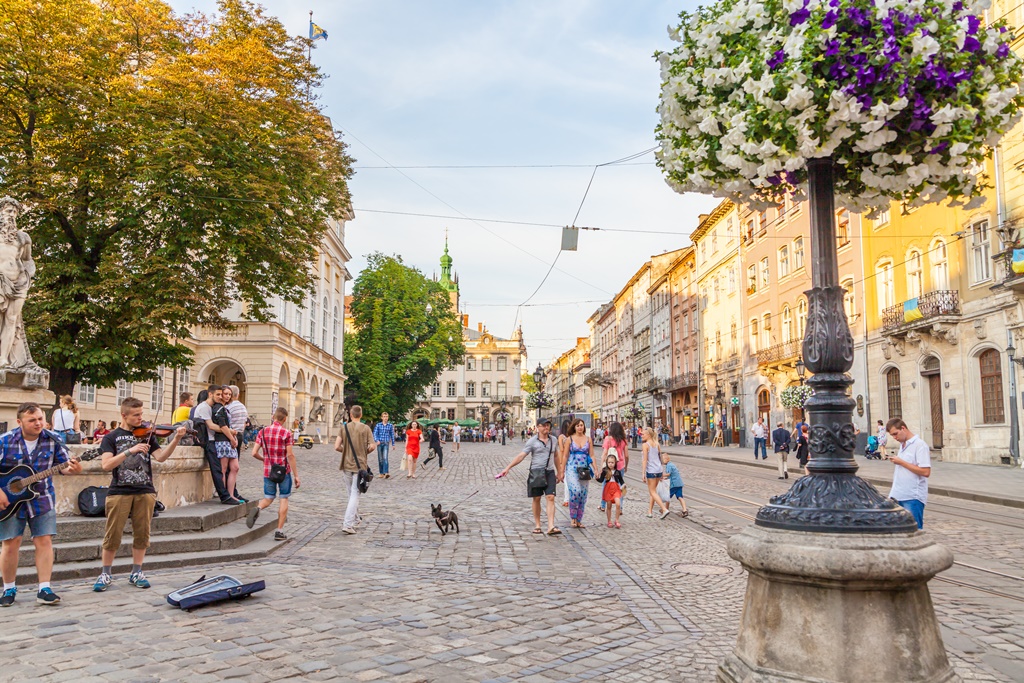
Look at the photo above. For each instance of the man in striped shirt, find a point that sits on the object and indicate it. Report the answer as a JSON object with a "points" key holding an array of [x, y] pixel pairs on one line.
{"points": [[384, 435]]}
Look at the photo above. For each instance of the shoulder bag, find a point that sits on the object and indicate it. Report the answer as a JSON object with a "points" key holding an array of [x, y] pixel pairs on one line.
{"points": [[584, 472], [539, 478], [365, 475], [278, 473]]}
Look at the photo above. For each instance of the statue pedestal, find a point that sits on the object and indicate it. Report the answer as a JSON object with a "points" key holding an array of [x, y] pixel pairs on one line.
{"points": [[837, 607], [13, 396]]}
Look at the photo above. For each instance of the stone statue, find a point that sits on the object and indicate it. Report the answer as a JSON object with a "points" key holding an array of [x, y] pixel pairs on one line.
{"points": [[16, 272]]}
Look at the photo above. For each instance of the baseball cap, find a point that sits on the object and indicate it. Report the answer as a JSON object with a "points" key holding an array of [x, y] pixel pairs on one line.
{"points": [[544, 421]]}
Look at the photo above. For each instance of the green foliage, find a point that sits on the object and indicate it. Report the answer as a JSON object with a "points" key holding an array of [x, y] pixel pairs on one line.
{"points": [[397, 349], [169, 165], [527, 383]]}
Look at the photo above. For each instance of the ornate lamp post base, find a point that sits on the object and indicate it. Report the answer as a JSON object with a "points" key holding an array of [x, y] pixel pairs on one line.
{"points": [[837, 607]]}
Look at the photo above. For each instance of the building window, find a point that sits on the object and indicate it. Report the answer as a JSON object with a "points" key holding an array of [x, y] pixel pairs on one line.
{"points": [[748, 230], [471, 363], [502, 389], [686, 324], [485, 364], [892, 389], [183, 381], [751, 279], [485, 389], [714, 241], [886, 292], [326, 323], [991, 387], [502, 363], [86, 394], [451, 413], [718, 344], [940, 266], [842, 228], [848, 302], [451, 390], [435, 389], [156, 391], [981, 252], [883, 218], [766, 331], [716, 289], [732, 280], [798, 253], [801, 318], [764, 405], [765, 273], [762, 220], [703, 251], [733, 341], [753, 335], [298, 321], [123, 391], [471, 389], [787, 323], [335, 333], [312, 320], [915, 278], [783, 261]]}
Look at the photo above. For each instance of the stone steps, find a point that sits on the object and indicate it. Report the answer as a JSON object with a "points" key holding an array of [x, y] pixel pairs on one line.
{"points": [[189, 518]]}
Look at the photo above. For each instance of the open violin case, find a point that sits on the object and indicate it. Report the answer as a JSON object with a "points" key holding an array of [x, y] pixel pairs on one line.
{"points": [[209, 591]]}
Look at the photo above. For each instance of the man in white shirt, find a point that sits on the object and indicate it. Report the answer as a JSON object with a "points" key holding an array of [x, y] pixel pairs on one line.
{"points": [[456, 436], [760, 433], [913, 467]]}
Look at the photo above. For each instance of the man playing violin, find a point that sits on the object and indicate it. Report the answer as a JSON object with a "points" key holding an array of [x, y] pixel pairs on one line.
{"points": [[29, 443], [127, 454]]}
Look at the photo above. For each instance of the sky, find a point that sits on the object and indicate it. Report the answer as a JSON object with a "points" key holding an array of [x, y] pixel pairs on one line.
{"points": [[509, 83]]}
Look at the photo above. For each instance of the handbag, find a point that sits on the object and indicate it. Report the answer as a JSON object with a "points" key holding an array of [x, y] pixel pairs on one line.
{"points": [[72, 438], [365, 475], [584, 473], [278, 473]]}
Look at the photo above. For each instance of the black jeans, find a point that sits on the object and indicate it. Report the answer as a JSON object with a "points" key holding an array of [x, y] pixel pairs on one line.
{"points": [[216, 474]]}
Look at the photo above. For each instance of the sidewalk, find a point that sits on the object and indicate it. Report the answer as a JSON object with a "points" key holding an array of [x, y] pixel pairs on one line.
{"points": [[981, 483]]}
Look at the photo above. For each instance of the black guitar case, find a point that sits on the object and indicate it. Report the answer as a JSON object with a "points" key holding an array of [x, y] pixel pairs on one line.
{"points": [[209, 591]]}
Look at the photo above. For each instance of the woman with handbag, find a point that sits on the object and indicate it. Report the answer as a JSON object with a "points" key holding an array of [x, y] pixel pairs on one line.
{"points": [[578, 454], [653, 471], [65, 421]]}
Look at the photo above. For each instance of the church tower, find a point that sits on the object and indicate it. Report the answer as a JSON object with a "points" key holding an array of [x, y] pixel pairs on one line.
{"points": [[447, 282]]}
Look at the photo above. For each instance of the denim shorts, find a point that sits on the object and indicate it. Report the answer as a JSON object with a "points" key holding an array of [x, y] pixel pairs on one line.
{"points": [[675, 492], [40, 525], [916, 508], [225, 449], [656, 475], [282, 490]]}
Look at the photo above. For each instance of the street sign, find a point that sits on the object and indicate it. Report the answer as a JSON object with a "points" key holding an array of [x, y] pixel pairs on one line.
{"points": [[735, 400], [570, 238]]}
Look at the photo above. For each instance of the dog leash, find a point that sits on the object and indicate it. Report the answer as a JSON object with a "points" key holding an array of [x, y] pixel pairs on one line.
{"points": [[463, 500]]}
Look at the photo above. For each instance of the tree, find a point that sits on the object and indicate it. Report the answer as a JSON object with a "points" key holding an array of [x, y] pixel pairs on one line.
{"points": [[398, 349], [170, 165], [527, 383]]}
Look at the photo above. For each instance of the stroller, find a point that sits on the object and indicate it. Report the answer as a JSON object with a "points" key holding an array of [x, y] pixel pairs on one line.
{"points": [[871, 451]]}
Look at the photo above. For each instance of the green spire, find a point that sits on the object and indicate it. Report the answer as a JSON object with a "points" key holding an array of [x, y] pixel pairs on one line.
{"points": [[446, 269]]}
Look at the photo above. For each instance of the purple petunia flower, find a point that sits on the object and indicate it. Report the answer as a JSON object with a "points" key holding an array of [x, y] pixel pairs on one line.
{"points": [[971, 44], [973, 23], [958, 6], [832, 48], [1002, 51], [800, 16], [777, 60], [940, 148], [774, 180], [831, 17]]}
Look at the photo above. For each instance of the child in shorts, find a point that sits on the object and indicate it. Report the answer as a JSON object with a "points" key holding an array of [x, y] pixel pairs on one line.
{"points": [[675, 483], [611, 494]]}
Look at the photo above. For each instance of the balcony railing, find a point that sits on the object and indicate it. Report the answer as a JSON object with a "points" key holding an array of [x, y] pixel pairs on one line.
{"points": [[779, 353], [944, 302], [681, 381]]}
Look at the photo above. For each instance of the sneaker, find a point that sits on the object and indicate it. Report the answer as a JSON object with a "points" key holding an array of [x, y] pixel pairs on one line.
{"points": [[8, 597], [47, 597], [349, 530], [250, 519], [664, 513], [649, 515], [103, 583], [138, 580], [280, 536]]}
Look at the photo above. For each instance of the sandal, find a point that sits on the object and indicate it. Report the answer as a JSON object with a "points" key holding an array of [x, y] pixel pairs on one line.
{"points": [[537, 530], [555, 531], [580, 526], [617, 525], [685, 513], [610, 525]]}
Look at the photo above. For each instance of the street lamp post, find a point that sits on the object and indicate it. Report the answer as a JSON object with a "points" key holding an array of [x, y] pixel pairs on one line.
{"points": [[1014, 424], [801, 370], [504, 420], [538, 379]]}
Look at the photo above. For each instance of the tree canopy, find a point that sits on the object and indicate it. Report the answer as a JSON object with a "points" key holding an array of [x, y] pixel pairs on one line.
{"points": [[170, 165], [397, 348]]}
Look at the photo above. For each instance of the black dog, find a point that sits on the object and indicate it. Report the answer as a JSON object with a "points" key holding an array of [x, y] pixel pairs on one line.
{"points": [[444, 520]]}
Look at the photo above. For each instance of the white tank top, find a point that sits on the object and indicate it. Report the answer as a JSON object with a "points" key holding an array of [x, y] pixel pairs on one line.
{"points": [[654, 465]]}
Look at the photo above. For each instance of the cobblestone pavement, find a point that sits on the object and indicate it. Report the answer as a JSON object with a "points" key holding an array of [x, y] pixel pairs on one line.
{"points": [[656, 600]]}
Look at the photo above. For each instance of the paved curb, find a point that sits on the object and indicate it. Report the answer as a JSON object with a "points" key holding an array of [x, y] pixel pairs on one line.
{"points": [[976, 496]]}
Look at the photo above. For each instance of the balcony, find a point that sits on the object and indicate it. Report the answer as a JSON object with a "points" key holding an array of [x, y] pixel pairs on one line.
{"points": [[682, 381], [779, 355], [935, 313], [1005, 274]]}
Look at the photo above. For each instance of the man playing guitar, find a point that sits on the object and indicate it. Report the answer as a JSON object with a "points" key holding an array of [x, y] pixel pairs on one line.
{"points": [[39, 448]]}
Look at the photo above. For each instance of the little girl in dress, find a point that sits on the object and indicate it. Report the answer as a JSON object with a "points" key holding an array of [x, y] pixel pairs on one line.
{"points": [[612, 492]]}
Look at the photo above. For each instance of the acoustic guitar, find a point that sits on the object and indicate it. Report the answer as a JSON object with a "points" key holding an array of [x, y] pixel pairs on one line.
{"points": [[18, 482]]}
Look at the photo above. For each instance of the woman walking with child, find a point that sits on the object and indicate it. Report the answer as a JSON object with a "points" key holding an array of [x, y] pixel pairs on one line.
{"points": [[577, 454], [653, 471]]}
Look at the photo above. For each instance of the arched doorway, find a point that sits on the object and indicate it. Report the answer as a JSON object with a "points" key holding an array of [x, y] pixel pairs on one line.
{"points": [[764, 407], [931, 372], [225, 371]]}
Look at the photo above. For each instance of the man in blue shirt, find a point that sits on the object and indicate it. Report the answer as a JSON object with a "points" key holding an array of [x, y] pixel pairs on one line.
{"points": [[30, 444], [384, 435], [780, 437]]}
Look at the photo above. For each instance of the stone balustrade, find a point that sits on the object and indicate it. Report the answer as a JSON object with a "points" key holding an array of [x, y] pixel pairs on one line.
{"points": [[183, 479]]}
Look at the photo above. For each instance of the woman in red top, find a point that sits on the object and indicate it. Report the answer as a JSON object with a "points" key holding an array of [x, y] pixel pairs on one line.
{"points": [[413, 435]]}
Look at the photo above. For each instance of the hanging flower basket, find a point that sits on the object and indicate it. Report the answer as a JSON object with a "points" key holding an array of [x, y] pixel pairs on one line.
{"points": [[539, 399], [907, 96], [633, 413], [796, 396]]}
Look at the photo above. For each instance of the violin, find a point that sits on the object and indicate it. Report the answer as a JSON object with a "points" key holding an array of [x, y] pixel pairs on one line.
{"points": [[144, 430]]}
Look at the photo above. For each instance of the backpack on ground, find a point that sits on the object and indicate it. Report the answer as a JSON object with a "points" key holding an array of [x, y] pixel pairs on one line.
{"points": [[92, 501]]}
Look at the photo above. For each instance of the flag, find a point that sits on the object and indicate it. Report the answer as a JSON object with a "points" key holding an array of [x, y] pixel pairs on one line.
{"points": [[911, 311], [1018, 261], [316, 32]]}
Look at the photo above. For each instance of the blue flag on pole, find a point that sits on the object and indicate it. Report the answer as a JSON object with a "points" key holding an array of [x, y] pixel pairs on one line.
{"points": [[316, 32]]}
